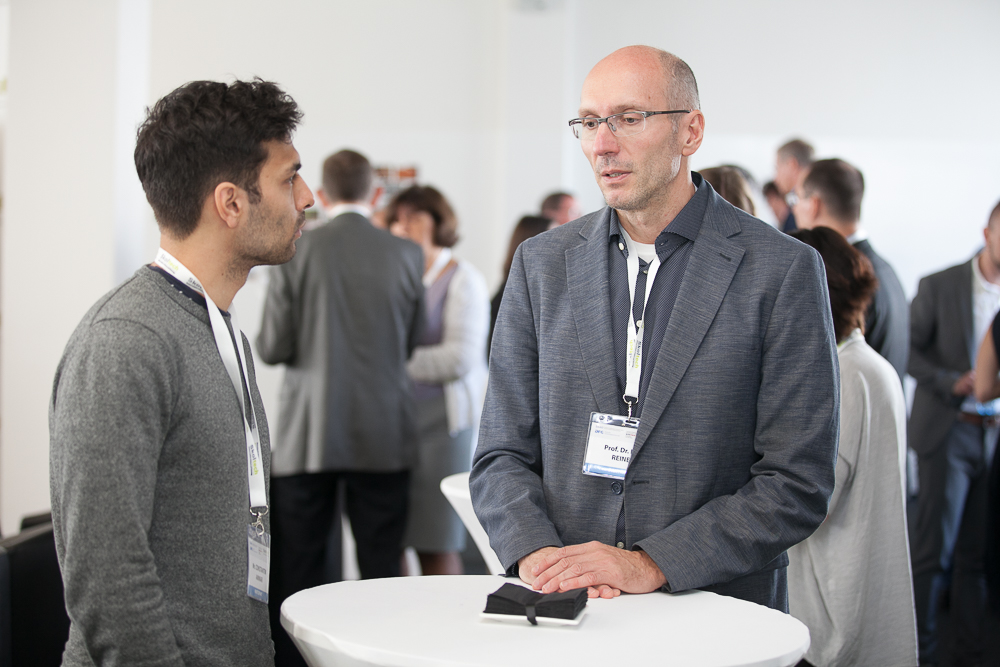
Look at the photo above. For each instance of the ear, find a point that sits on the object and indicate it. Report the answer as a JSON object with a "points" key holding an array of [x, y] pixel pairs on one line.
{"points": [[815, 207], [694, 132], [231, 203], [323, 198]]}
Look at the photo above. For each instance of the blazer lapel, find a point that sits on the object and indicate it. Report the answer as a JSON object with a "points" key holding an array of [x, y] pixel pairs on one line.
{"points": [[965, 309], [587, 280], [711, 267]]}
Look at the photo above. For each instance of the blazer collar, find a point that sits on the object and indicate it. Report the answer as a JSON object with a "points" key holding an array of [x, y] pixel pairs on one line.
{"points": [[711, 268]]}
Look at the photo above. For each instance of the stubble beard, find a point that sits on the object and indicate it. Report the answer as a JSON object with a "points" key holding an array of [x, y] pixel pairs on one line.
{"points": [[266, 242], [642, 192]]}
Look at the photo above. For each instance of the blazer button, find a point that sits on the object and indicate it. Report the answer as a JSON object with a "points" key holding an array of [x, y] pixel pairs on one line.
{"points": [[617, 488]]}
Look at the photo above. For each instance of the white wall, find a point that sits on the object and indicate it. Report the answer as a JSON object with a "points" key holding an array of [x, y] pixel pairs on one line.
{"points": [[905, 90], [58, 245], [478, 95]]}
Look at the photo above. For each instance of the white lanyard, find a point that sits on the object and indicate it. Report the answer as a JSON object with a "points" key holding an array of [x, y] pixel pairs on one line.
{"points": [[635, 330], [233, 359]]}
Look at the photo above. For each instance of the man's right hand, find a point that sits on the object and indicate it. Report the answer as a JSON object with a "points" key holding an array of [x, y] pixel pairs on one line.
{"points": [[528, 563], [965, 385]]}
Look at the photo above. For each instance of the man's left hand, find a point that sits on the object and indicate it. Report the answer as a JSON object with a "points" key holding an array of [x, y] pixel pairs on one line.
{"points": [[597, 566]]}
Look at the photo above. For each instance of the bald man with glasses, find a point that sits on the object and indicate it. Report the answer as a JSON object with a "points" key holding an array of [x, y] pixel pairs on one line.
{"points": [[663, 403]]}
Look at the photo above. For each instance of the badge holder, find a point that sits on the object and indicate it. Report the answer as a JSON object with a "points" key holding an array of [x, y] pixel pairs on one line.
{"points": [[609, 445], [258, 558]]}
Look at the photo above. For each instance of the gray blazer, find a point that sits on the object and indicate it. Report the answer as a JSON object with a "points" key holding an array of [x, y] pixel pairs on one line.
{"points": [[734, 459], [942, 343], [887, 321], [343, 316]]}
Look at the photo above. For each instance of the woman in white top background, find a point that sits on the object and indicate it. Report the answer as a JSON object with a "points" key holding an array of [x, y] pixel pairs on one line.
{"points": [[850, 582], [449, 372]]}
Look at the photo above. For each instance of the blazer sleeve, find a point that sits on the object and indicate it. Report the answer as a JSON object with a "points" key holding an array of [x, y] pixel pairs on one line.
{"points": [[923, 339], [505, 481], [276, 341]]}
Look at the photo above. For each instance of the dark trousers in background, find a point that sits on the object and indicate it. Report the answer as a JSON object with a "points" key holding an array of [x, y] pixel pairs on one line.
{"points": [[949, 537], [303, 512]]}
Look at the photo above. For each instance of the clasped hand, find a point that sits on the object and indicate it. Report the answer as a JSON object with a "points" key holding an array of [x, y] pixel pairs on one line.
{"points": [[603, 570]]}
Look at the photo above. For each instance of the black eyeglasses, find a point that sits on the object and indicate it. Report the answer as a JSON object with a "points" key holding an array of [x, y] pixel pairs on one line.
{"points": [[621, 124]]}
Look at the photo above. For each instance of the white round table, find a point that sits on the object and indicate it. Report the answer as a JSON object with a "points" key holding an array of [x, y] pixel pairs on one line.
{"points": [[423, 621]]}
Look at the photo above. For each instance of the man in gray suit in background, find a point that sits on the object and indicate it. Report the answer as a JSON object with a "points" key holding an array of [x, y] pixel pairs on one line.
{"points": [[953, 439], [829, 194], [343, 318], [735, 386]]}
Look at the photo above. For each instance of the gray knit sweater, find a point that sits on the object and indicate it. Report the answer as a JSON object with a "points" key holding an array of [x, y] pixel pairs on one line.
{"points": [[149, 487]]}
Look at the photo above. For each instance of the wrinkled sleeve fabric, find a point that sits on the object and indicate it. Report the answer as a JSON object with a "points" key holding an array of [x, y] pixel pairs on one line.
{"points": [[795, 441], [276, 342], [111, 404], [505, 482]]}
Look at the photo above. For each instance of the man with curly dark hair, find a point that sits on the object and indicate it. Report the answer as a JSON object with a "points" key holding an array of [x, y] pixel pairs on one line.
{"points": [[160, 453]]}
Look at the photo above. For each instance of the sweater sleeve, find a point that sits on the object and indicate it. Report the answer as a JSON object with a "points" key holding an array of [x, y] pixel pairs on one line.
{"points": [[111, 404]]}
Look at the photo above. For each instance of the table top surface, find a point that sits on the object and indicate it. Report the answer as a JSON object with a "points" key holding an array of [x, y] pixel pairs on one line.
{"points": [[410, 621]]}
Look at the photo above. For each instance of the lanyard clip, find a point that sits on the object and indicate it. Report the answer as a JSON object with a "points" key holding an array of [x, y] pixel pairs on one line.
{"points": [[259, 523], [629, 401]]}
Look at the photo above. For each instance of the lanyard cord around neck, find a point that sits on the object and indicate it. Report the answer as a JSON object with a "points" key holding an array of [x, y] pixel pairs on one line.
{"points": [[635, 328], [234, 361]]}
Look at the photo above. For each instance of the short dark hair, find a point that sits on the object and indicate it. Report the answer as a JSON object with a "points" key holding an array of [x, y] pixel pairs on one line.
{"points": [[347, 176], [682, 87], [428, 200], [205, 133], [771, 190], [849, 277], [731, 185], [801, 150], [839, 186], [994, 216], [553, 201], [526, 227]]}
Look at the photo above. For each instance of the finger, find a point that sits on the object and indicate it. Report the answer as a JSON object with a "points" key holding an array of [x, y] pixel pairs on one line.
{"points": [[572, 579], [554, 556], [608, 592], [551, 573]]}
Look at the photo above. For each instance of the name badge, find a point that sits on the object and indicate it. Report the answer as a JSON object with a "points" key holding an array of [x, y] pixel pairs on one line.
{"points": [[609, 445], [258, 563]]}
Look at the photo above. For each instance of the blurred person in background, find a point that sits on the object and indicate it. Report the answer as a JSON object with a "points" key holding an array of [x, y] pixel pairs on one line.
{"points": [[953, 435], [560, 208], [731, 185], [829, 194], [343, 318], [448, 369], [776, 202], [987, 385], [849, 582], [528, 226], [790, 161]]}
